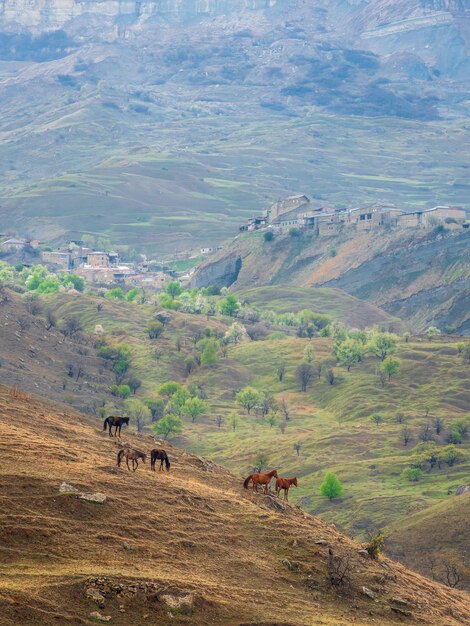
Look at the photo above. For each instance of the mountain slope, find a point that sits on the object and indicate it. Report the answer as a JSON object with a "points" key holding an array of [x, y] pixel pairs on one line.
{"points": [[189, 116], [184, 547], [420, 276]]}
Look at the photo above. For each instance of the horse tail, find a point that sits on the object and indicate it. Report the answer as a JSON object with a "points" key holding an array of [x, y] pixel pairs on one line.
{"points": [[105, 423], [119, 457], [247, 480], [167, 462]]}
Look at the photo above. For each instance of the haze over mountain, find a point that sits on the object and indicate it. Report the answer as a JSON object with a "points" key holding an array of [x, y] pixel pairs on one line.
{"points": [[189, 116]]}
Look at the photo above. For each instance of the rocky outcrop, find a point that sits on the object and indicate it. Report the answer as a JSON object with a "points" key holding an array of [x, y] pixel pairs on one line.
{"points": [[220, 273], [54, 14]]}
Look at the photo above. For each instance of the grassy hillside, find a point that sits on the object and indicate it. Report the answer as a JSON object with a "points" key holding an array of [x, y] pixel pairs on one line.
{"points": [[179, 548], [188, 179], [334, 302], [332, 423]]}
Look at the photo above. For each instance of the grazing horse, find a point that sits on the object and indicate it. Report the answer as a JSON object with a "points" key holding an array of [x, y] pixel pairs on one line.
{"points": [[160, 455], [116, 422], [285, 483], [132, 454], [260, 479]]}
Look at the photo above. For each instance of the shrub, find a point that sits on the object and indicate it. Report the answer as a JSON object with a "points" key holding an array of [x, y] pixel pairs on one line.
{"points": [[155, 329], [248, 398], [331, 486], [268, 235], [121, 391], [412, 474], [375, 545]]}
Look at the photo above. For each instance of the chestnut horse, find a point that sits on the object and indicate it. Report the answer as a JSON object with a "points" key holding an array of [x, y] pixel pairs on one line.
{"points": [[132, 454], [260, 479], [285, 483], [160, 455]]}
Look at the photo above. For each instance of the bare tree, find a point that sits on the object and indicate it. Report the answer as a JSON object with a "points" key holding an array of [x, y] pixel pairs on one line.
{"points": [[338, 569], [51, 320], [219, 420], [304, 375], [281, 370], [285, 409], [330, 377], [452, 574], [406, 435], [438, 425], [297, 447], [426, 433]]}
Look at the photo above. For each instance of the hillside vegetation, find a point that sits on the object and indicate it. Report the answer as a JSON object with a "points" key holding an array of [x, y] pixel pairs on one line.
{"points": [[186, 547], [352, 423]]}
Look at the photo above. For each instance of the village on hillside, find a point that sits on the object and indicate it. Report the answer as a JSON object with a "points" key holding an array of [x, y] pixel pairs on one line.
{"points": [[96, 267], [297, 211]]}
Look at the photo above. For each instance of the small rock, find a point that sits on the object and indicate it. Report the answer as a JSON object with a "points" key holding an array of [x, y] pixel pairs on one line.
{"points": [[66, 488], [100, 618], [400, 601], [368, 592], [183, 602], [363, 553], [321, 542], [397, 609], [462, 489], [98, 498], [127, 546], [292, 567], [95, 595]]}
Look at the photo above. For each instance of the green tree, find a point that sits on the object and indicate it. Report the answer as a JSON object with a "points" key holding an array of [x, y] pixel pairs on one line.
{"points": [[230, 306], [139, 411], [271, 419], [155, 329], [177, 401], [268, 235], [115, 294], [331, 486], [234, 421], [308, 354], [383, 345], [169, 389], [412, 474], [194, 408], [77, 281], [121, 391], [348, 353], [390, 366], [377, 418], [168, 426], [248, 398], [173, 289], [209, 351], [132, 294], [261, 462]]}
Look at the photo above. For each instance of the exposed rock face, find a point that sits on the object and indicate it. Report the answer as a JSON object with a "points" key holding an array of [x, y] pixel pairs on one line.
{"points": [[50, 14], [220, 273]]}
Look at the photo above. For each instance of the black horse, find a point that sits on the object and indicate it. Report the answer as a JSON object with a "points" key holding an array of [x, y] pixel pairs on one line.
{"points": [[160, 455], [116, 422]]}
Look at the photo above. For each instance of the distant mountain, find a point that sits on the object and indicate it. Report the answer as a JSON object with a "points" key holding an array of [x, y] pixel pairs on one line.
{"points": [[172, 111]]}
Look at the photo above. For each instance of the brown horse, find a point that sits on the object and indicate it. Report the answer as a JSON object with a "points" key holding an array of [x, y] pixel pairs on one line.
{"points": [[285, 483], [260, 479], [113, 421], [132, 454], [160, 455]]}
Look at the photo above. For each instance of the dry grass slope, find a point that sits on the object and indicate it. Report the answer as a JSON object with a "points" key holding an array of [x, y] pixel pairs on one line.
{"points": [[193, 532]]}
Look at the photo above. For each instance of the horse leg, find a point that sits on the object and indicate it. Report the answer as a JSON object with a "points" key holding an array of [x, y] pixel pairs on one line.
{"points": [[286, 494], [110, 427], [136, 464], [127, 463]]}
